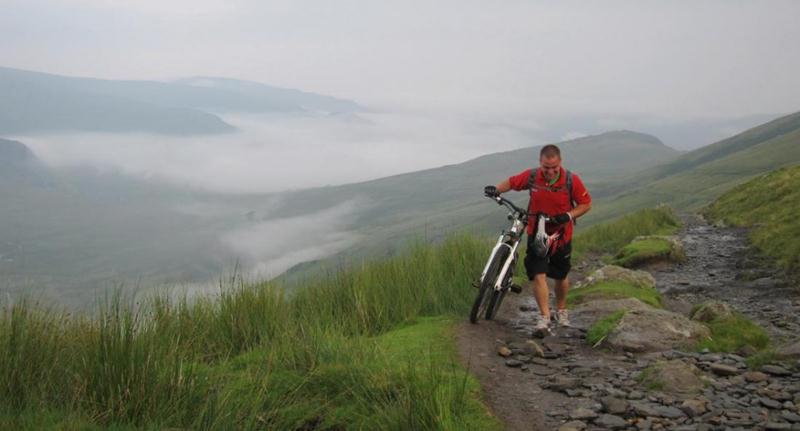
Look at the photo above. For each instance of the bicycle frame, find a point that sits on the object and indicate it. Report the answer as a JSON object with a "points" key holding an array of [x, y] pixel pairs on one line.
{"points": [[520, 222]]}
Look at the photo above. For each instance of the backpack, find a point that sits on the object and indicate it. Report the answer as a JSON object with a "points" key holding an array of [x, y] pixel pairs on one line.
{"points": [[532, 185]]}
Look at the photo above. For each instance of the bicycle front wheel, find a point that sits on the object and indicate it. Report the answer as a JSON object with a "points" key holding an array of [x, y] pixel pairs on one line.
{"points": [[486, 291]]}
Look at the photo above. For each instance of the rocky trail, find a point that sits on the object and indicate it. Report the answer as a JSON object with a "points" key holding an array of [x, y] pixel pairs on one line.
{"points": [[559, 382]]}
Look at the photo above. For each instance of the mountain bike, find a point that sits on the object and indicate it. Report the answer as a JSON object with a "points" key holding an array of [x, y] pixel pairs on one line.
{"points": [[496, 279]]}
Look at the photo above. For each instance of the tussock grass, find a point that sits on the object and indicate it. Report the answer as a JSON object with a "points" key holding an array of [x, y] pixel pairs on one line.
{"points": [[347, 351], [646, 250], [649, 377], [600, 330], [768, 204], [614, 290], [734, 333], [608, 238]]}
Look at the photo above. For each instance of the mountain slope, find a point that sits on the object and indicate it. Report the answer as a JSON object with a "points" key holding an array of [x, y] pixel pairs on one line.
{"points": [[434, 202], [767, 204], [40, 102], [698, 177]]}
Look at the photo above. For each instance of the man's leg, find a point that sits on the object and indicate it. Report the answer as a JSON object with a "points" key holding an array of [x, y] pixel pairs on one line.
{"points": [[542, 294], [561, 288]]}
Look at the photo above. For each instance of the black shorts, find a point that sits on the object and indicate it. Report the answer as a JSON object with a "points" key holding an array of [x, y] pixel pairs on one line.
{"points": [[556, 266]]}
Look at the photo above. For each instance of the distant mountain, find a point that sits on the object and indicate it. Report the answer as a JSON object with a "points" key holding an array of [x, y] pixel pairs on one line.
{"points": [[13, 152], [40, 102], [225, 94], [19, 165]]}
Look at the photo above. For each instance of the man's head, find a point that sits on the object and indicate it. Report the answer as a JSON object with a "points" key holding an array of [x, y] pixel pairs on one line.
{"points": [[550, 161]]}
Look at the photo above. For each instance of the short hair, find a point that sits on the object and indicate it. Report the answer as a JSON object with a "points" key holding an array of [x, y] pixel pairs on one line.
{"points": [[550, 150]]}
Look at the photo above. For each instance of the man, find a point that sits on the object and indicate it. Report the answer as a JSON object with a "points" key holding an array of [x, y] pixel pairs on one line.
{"points": [[549, 195]]}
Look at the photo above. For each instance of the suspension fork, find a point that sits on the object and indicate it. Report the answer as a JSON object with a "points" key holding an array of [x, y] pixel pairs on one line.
{"points": [[506, 265], [496, 248]]}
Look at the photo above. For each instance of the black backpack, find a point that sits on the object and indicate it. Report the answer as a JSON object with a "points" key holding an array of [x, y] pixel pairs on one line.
{"points": [[532, 186]]}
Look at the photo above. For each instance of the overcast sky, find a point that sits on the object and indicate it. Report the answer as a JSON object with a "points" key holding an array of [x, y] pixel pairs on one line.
{"points": [[677, 59]]}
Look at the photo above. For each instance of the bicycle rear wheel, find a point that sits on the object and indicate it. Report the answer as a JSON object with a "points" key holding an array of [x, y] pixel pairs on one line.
{"points": [[486, 291]]}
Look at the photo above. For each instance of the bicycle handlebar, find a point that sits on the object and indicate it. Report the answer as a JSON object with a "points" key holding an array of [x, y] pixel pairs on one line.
{"points": [[510, 205], [507, 203]]}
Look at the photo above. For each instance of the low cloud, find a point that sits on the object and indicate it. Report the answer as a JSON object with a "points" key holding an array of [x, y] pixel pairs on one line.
{"points": [[273, 153], [268, 248]]}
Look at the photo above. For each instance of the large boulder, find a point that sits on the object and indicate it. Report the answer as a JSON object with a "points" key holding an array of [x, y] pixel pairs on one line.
{"points": [[633, 277], [651, 249], [654, 330], [590, 312], [710, 311], [674, 377], [789, 351]]}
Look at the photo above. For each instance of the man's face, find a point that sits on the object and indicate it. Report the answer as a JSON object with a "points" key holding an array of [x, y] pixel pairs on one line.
{"points": [[550, 166]]}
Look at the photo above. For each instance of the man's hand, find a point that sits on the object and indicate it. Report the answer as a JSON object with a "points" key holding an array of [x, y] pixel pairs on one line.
{"points": [[490, 191], [562, 218]]}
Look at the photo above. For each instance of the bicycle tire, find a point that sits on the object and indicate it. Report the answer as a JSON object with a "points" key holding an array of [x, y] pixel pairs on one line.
{"points": [[494, 303], [482, 300], [498, 295]]}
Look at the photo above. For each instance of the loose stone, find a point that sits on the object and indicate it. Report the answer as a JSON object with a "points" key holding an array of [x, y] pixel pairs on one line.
{"points": [[610, 422], [513, 363], [614, 406], [769, 403], [504, 351], [582, 413], [694, 407], [572, 426], [724, 370], [533, 348], [755, 376], [791, 417], [776, 370]]}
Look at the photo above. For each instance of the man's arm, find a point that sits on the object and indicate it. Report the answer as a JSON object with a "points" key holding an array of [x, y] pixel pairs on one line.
{"points": [[503, 186], [579, 210]]}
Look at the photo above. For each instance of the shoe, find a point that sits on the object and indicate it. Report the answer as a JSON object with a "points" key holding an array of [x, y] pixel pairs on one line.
{"points": [[542, 327], [563, 317]]}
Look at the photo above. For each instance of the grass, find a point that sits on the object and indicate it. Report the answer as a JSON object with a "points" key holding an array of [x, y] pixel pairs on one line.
{"points": [[608, 238], [646, 250], [734, 333], [359, 349], [767, 204], [600, 330], [761, 358], [649, 378], [614, 290]]}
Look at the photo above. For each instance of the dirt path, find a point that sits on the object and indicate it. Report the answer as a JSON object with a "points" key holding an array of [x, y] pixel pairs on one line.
{"points": [[574, 383]]}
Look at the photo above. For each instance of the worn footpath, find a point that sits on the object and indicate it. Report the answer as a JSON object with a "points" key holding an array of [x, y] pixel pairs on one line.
{"points": [[561, 382]]}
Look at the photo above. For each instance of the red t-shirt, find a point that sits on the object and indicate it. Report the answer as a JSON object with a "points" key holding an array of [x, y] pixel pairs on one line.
{"points": [[549, 202]]}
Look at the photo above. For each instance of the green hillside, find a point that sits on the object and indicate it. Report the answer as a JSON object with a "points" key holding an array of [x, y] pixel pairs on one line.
{"points": [[768, 204], [624, 171], [368, 348], [698, 177], [434, 202], [363, 348]]}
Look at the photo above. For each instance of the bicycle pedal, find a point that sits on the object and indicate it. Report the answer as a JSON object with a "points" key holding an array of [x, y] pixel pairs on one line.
{"points": [[516, 288]]}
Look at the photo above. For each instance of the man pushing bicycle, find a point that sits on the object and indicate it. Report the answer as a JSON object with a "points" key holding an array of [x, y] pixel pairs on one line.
{"points": [[561, 196]]}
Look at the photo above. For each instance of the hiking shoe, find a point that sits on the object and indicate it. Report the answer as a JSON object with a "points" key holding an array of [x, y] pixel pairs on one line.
{"points": [[563, 317], [542, 326]]}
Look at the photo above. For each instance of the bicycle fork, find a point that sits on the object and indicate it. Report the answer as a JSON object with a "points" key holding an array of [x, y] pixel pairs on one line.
{"points": [[506, 265]]}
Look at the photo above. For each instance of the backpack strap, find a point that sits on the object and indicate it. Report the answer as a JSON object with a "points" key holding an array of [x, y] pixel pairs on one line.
{"points": [[532, 178], [572, 202], [532, 185]]}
